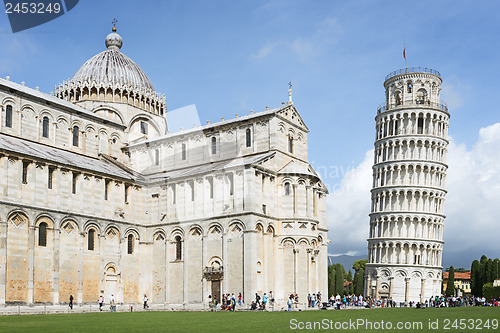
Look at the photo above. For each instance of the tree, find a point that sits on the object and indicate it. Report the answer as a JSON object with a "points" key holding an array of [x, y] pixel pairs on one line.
{"points": [[482, 273], [331, 279], [339, 279], [450, 285], [359, 282], [350, 283], [359, 264], [475, 278], [489, 271], [496, 269]]}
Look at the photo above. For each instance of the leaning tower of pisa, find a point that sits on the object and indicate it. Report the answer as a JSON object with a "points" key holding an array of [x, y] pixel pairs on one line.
{"points": [[407, 214]]}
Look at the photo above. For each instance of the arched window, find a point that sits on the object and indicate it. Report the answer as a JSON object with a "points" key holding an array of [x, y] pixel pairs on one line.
{"points": [[76, 133], [45, 127], [42, 234], [178, 248], [130, 244], [8, 116], [214, 145], [290, 143], [409, 87], [144, 127], [421, 96], [287, 188], [249, 137], [90, 240], [420, 125], [157, 156], [184, 152], [398, 97]]}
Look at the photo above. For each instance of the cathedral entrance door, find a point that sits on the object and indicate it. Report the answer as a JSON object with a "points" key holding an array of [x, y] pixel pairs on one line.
{"points": [[216, 290], [111, 283]]}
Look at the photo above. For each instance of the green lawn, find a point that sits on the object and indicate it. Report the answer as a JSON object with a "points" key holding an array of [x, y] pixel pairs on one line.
{"points": [[254, 321]]}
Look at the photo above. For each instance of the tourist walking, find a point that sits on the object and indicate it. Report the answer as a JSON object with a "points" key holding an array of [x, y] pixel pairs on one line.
{"points": [[71, 302], [101, 302], [112, 306], [146, 306]]}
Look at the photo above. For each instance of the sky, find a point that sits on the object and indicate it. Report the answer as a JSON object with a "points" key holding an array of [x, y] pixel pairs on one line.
{"points": [[227, 57]]}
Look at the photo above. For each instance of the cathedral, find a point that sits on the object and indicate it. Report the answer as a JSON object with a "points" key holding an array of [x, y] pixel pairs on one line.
{"points": [[99, 197]]}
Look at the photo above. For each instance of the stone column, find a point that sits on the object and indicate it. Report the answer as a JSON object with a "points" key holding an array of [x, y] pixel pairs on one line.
{"points": [[407, 289], [79, 296], [249, 263], [167, 270], [422, 290], [377, 286], [31, 261], [368, 284], [185, 260], [56, 249], [391, 286], [296, 269], [3, 261]]}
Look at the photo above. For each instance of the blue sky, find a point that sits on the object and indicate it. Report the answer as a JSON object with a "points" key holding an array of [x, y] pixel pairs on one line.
{"points": [[229, 57]]}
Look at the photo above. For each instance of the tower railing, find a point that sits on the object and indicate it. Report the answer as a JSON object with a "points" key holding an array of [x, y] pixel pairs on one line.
{"points": [[412, 70], [414, 103]]}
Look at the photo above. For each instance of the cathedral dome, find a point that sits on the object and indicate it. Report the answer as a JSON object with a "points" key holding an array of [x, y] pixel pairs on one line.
{"points": [[113, 66], [111, 76]]}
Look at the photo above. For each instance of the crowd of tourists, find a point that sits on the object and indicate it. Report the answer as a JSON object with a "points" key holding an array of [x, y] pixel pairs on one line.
{"points": [[314, 300]]}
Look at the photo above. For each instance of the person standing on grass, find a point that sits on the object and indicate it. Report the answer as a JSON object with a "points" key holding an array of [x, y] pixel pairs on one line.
{"points": [[214, 304], [290, 303], [146, 302], [239, 299], [71, 302], [101, 302], [264, 301], [112, 306]]}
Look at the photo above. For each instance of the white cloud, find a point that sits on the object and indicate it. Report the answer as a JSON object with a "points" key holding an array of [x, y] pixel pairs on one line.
{"points": [[348, 207], [305, 47], [472, 203]]}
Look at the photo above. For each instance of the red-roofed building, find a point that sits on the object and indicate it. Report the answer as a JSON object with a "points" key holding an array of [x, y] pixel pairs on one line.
{"points": [[462, 283]]}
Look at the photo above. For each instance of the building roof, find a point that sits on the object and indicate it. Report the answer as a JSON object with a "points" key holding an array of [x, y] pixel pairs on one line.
{"points": [[458, 275], [211, 167], [298, 169], [39, 151], [112, 66], [46, 98]]}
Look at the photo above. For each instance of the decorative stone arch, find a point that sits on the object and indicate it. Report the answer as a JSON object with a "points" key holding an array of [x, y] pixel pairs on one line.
{"points": [[215, 231], [195, 232], [303, 242], [116, 137], [134, 231], [385, 273], [259, 227], [69, 225], [46, 113], [236, 229], [271, 229], [112, 231], [10, 101], [416, 274], [402, 273], [147, 118], [288, 242], [159, 235], [178, 231], [18, 217], [109, 108]]}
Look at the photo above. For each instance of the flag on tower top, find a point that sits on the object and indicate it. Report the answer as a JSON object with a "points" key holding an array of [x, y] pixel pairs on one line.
{"points": [[404, 52]]}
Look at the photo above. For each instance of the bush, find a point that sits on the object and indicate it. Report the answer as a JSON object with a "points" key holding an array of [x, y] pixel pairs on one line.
{"points": [[490, 291]]}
